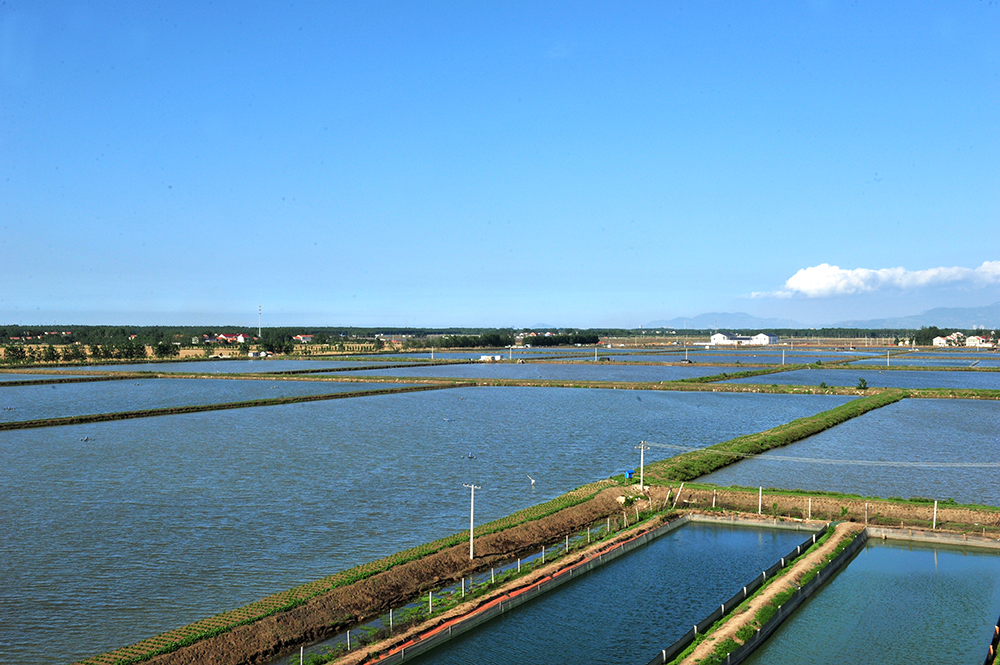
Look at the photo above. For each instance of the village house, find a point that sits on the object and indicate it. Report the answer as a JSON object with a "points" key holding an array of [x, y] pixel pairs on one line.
{"points": [[979, 342], [726, 339]]}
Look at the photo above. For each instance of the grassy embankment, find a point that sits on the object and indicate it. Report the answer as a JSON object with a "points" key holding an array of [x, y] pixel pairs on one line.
{"points": [[297, 596], [770, 608], [694, 464], [175, 410], [668, 472]]}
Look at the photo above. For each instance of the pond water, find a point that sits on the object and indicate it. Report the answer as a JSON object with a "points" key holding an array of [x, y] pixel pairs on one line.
{"points": [[156, 522], [71, 399], [30, 377], [897, 378], [895, 604], [224, 366], [913, 430], [965, 360], [628, 610], [552, 371]]}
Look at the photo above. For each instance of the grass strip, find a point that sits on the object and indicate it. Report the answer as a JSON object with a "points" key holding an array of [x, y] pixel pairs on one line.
{"points": [[362, 368], [694, 464], [76, 379], [953, 393], [724, 648], [176, 410], [292, 598], [729, 376]]}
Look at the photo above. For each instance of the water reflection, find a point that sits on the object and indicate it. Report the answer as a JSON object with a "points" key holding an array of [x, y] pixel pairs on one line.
{"points": [[894, 601]]}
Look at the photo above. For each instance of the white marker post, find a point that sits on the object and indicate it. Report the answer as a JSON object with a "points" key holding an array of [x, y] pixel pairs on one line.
{"points": [[642, 447], [472, 515]]}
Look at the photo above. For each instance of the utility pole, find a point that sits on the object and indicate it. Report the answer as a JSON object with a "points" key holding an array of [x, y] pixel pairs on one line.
{"points": [[472, 514], [258, 321], [642, 448]]}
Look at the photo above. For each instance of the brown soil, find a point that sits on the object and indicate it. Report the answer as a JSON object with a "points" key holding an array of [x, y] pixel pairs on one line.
{"points": [[825, 508], [330, 613], [786, 581]]}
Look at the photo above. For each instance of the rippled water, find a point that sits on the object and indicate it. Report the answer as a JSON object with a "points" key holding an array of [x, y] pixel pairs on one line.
{"points": [[26, 377], [157, 522], [895, 604], [913, 430], [71, 399], [628, 610], [946, 360], [222, 366], [880, 379], [555, 371]]}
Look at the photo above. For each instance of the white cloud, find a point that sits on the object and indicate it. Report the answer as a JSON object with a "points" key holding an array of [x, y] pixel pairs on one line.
{"points": [[825, 280]]}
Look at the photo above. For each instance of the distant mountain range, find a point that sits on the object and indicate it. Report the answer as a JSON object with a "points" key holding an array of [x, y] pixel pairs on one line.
{"points": [[942, 317]]}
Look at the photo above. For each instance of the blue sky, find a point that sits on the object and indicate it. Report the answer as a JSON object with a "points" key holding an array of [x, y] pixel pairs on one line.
{"points": [[496, 164]]}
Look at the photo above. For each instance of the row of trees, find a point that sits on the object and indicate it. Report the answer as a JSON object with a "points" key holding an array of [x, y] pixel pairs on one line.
{"points": [[25, 354], [566, 340], [490, 340], [130, 350]]}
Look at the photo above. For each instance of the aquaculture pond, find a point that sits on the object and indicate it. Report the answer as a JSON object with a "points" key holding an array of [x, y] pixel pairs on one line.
{"points": [[122, 530], [628, 610], [895, 604], [876, 378], [56, 400], [235, 366], [4, 376], [907, 440], [965, 360], [589, 371]]}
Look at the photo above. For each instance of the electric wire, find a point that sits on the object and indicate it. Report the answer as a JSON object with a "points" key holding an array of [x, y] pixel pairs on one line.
{"points": [[840, 462]]}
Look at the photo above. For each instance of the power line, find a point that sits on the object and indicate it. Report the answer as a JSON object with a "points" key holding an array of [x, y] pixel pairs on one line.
{"points": [[836, 462]]}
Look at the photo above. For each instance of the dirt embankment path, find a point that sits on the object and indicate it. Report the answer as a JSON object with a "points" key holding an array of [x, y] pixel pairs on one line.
{"points": [[330, 613], [788, 580], [833, 508]]}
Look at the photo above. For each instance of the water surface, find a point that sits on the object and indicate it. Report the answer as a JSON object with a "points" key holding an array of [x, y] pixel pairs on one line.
{"points": [[895, 604], [628, 610], [72, 399], [912, 430], [880, 379], [150, 524], [589, 371]]}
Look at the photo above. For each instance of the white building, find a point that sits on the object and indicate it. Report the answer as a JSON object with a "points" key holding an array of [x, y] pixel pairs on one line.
{"points": [[725, 339], [981, 342], [954, 339]]}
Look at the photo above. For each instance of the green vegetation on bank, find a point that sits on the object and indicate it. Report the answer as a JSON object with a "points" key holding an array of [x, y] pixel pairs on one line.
{"points": [[729, 376], [297, 596], [697, 463], [768, 610], [198, 408]]}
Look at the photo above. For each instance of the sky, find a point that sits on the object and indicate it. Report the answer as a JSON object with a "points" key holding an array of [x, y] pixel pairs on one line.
{"points": [[496, 164]]}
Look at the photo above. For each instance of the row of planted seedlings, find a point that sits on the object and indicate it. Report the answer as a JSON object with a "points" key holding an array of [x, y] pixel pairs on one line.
{"points": [[439, 601]]}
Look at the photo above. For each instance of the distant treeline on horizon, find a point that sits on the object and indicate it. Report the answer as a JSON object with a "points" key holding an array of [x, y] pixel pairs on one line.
{"points": [[422, 337]]}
